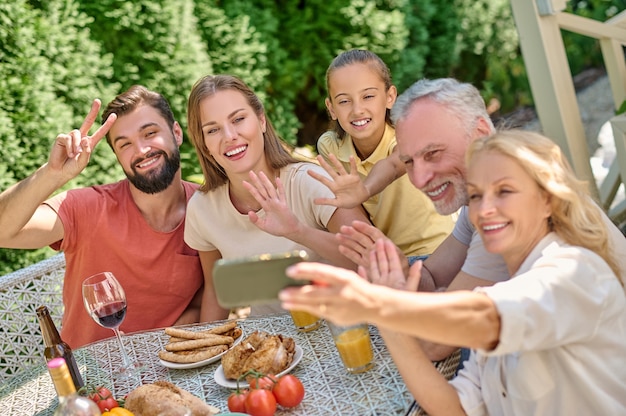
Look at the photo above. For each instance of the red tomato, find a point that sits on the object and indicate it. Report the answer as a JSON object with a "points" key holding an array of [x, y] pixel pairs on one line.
{"points": [[107, 404], [288, 391], [264, 382], [104, 399], [237, 401], [102, 393], [260, 402]]}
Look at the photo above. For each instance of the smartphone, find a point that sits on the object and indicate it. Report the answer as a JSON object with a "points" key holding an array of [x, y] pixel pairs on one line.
{"points": [[254, 280]]}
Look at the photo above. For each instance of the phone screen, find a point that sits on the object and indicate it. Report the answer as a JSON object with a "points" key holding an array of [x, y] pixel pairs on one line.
{"points": [[254, 280]]}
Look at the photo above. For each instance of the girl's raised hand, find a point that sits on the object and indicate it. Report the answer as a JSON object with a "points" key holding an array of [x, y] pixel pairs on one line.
{"points": [[348, 188]]}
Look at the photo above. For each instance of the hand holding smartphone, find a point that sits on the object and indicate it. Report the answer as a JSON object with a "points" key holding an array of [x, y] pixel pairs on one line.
{"points": [[254, 280]]}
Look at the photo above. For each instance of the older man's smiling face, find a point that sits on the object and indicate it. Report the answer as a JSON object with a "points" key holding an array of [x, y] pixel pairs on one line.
{"points": [[432, 143]]}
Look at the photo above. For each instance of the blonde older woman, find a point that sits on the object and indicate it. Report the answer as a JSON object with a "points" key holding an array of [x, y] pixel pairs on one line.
{"points": [[551, 340]]}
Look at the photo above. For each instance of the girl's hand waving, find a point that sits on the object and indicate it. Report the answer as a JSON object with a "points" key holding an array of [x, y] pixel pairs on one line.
{"points": [[349, 189]]}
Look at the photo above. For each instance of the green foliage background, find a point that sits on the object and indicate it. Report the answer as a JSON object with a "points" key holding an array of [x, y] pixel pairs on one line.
{"points": [[56, 56]]}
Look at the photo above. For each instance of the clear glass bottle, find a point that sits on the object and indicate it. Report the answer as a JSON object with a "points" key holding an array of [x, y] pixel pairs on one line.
{"points": [[70, 402], [55, 347]]}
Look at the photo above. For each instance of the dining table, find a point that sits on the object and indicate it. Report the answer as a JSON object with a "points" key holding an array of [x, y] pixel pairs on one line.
{"points": [[329, 388]]}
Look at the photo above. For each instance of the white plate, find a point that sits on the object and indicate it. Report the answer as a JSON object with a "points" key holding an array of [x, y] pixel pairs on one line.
{"points": [[181, 366], [232, 384]]}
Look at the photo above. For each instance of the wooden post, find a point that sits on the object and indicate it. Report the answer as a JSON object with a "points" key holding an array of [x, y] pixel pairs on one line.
{"points": [[551, 82]]}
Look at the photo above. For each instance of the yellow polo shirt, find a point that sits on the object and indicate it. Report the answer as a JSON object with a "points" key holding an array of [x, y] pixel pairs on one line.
{"points": [[401, 211]]}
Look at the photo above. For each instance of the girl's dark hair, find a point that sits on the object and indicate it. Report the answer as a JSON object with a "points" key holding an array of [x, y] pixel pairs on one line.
{"points": [[358, 56]]}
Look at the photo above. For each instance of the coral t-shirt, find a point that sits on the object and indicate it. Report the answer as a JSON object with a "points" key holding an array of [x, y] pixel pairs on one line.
{"points": [[105, 231]]}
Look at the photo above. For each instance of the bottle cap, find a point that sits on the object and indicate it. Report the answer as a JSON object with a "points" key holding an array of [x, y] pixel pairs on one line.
{"points": [[56, 362]]}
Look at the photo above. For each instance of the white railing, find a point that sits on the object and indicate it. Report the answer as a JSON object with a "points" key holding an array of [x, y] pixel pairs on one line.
{"points": [[539, 23], [616, 174]]}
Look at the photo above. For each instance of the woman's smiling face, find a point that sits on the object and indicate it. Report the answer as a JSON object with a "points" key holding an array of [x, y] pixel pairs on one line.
{"points": [[233, 132], [507, 206]]}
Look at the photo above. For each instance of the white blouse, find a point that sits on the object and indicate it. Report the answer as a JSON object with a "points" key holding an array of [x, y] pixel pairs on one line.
{"points": [[562, 348]]}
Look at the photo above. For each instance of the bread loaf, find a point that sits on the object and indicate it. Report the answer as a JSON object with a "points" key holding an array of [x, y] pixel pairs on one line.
{"points": [[166, 399]]}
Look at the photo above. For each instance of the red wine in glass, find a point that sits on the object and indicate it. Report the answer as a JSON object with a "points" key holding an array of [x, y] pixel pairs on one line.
{"points": [[105, 301], [110, 315]]}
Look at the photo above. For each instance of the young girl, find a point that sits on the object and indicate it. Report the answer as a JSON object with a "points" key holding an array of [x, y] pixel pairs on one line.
{"points": [[256, 198], [363, 142]]}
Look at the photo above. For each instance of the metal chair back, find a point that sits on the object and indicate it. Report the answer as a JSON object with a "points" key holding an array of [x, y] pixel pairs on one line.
{"points": [[21, 293]]}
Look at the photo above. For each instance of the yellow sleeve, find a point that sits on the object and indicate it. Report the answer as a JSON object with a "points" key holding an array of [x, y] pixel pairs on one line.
{"points": [[328, 143]]}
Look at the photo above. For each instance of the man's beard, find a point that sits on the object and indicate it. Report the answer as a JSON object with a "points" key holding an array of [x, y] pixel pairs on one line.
{"points": [[459, 197], [155, 181]]}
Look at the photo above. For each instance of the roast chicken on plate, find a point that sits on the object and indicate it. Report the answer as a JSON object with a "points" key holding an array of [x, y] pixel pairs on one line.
{"points": [[260, 351]]}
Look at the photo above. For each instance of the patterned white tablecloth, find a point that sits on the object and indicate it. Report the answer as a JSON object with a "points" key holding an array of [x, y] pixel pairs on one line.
{"points": [[330, 390]]}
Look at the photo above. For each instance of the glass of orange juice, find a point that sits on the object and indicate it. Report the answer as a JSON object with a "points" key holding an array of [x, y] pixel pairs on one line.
{"points": [[354, 346], [304, 321]]}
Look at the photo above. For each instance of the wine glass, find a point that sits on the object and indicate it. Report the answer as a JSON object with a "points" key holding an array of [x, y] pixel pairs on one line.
{"points": [[105, 301]]}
